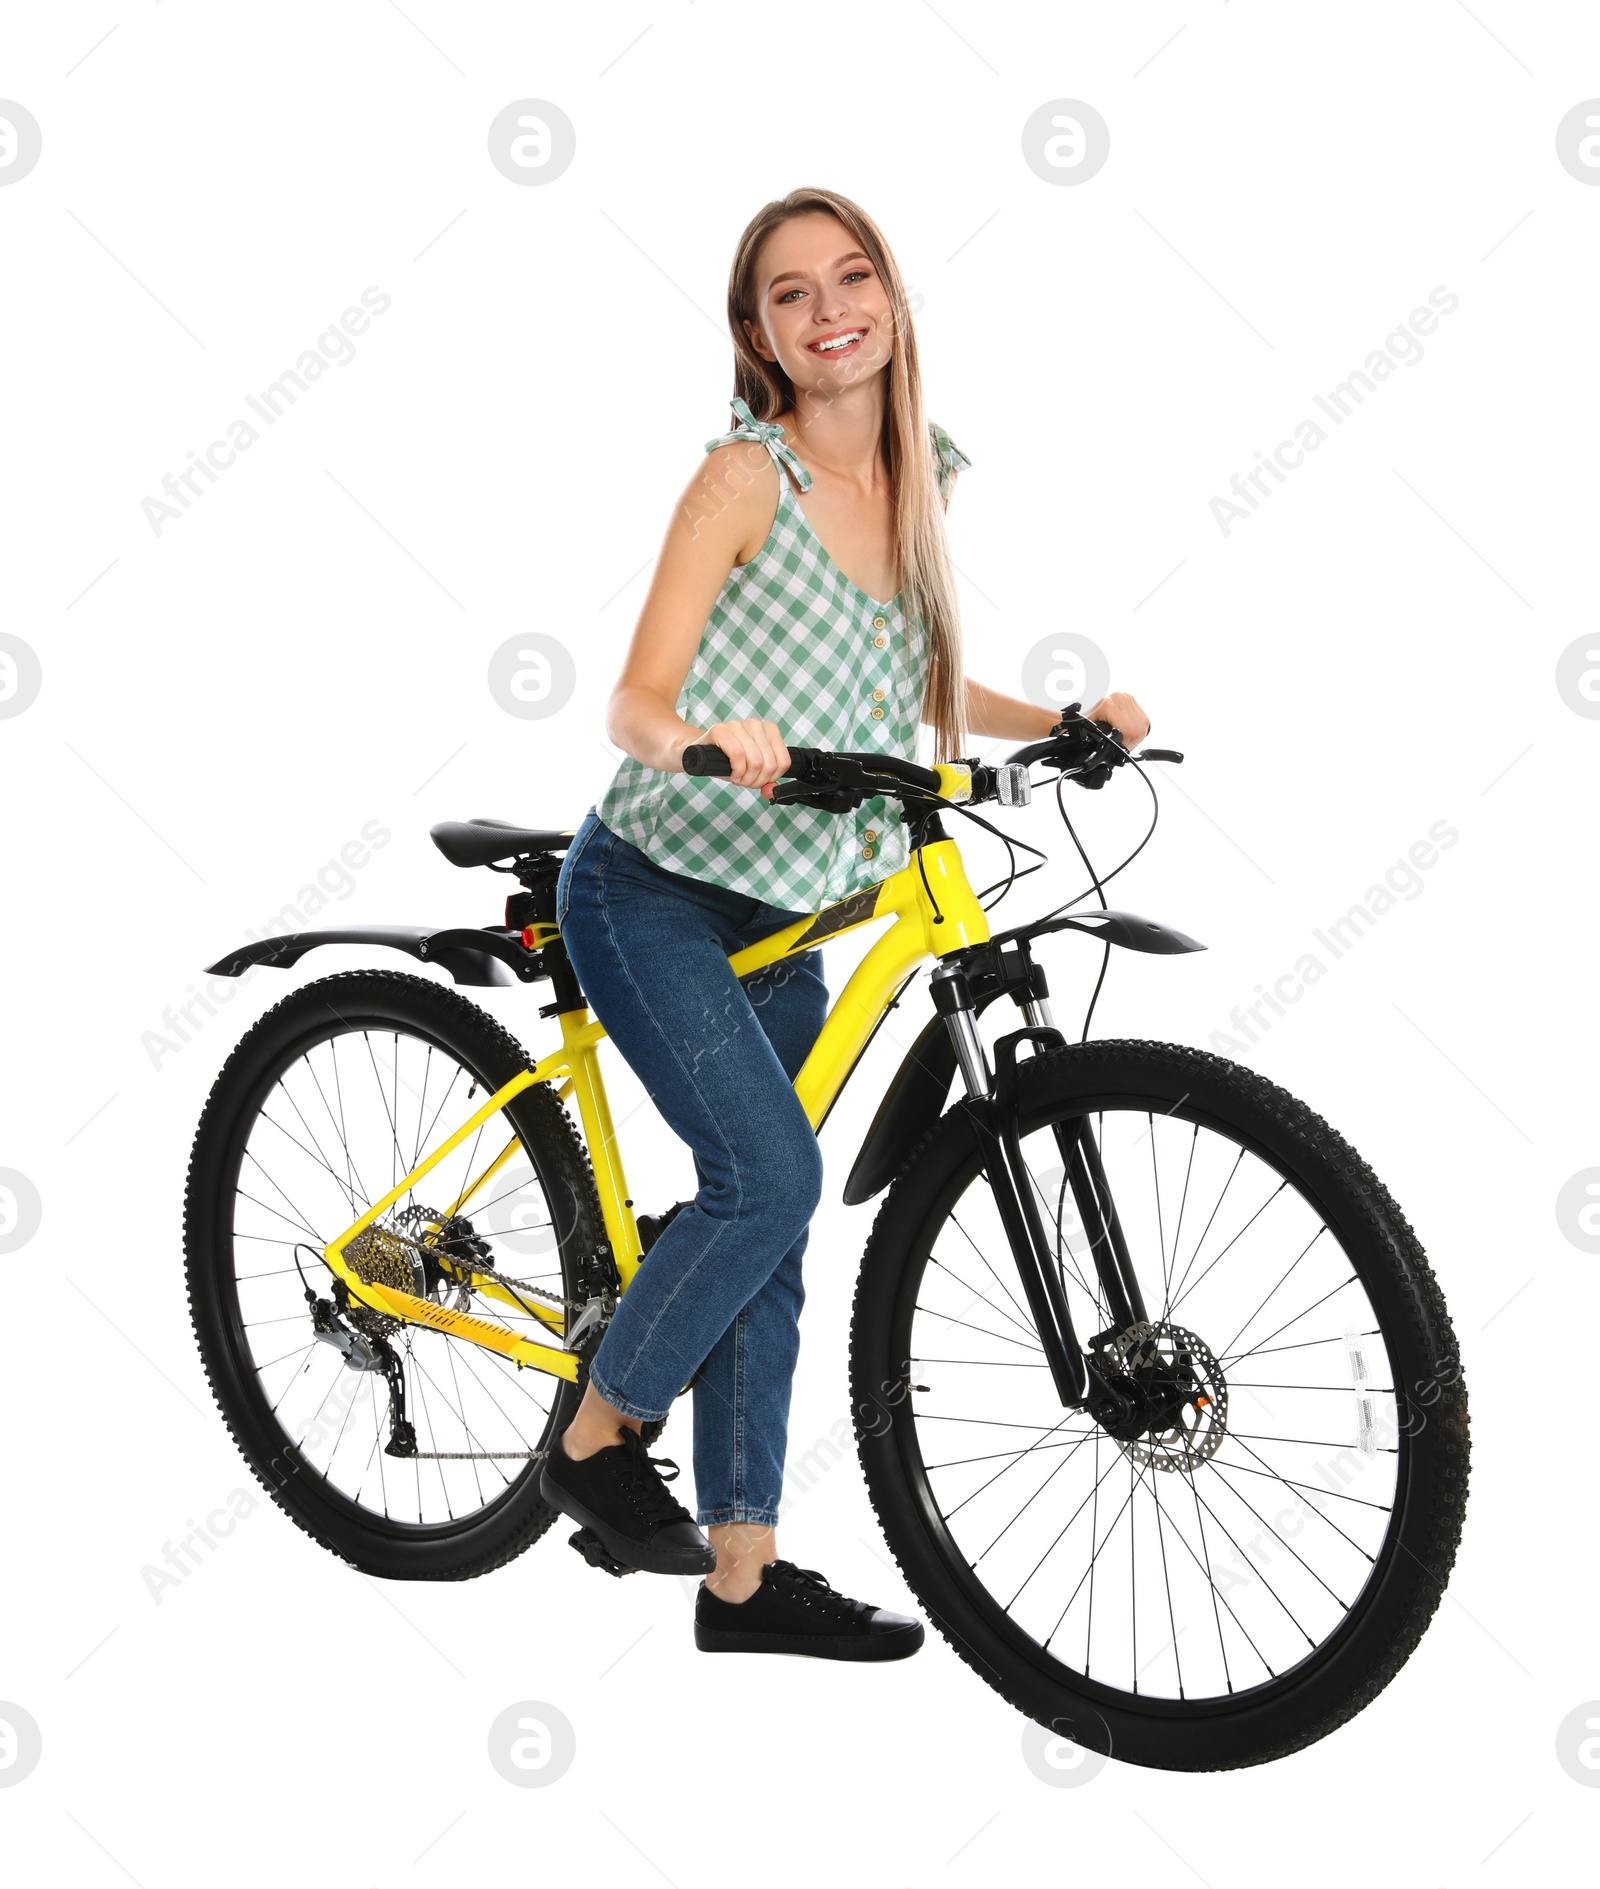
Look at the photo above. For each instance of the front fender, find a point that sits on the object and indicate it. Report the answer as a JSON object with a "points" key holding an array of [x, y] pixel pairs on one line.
{"points": [[490, 955], [917, 1096], [911, 1104]]}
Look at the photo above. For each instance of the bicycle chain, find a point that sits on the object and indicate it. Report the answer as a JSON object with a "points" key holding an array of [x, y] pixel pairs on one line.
{"points": [[480, 1268]]}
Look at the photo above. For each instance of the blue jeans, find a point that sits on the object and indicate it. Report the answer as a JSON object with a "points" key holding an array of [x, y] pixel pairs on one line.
{"points": [[717, 1298]]}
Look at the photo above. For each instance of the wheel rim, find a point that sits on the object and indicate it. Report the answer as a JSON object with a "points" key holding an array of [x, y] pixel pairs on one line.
{"points": [[1192, 1565], [335, 1123]]}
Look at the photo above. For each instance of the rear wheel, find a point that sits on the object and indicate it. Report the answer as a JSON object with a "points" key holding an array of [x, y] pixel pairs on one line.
{"points": [[331, 1098], [1249, 1564]]}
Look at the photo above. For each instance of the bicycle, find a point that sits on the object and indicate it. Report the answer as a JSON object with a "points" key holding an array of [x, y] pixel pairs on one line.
{"points": [[1140, 1347]]}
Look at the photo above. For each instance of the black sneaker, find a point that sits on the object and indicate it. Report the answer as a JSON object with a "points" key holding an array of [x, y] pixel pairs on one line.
{"points": [[621, 1498], [794, 1610]]}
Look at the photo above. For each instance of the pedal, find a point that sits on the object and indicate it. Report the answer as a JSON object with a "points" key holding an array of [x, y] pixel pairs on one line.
{"points": [[652, 1225], [597, 1554]]}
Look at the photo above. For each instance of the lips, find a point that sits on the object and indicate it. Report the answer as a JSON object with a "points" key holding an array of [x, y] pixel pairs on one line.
{"points": [[845, 340]]}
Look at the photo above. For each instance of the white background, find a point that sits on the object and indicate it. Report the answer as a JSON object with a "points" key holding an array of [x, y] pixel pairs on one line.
{"points": [[226, 704]]}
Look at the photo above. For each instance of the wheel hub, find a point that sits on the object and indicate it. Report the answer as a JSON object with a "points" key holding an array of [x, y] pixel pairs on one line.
{"points": [[1176, 1391]]}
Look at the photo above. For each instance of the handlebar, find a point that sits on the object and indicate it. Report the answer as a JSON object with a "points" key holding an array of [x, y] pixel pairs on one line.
{"points": [[818, 777], [1079, 749]]}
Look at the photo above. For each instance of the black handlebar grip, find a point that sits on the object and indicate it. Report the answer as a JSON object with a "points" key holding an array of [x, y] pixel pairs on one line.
{"points": [[705, 757]]}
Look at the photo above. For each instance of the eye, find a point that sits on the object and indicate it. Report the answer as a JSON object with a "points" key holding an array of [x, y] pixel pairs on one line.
{"points": [[787, 293], [851, 274]]}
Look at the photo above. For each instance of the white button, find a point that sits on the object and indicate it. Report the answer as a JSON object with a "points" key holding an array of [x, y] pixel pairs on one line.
{"points": [[879, 641], [877, 714]]}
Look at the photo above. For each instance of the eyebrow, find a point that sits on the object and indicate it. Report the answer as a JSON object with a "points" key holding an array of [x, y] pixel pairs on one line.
{"points": [[796, 275]]}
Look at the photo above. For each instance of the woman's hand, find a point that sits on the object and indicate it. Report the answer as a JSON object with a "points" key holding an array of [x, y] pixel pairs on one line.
{"points": [[1124, 714], [755, 751]]}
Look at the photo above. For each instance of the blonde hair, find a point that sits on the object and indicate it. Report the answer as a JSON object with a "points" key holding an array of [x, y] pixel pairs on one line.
{"points": [[922, 554]]}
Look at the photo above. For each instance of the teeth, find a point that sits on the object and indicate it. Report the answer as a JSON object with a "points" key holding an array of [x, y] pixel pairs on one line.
{"points": [[839, 341]]}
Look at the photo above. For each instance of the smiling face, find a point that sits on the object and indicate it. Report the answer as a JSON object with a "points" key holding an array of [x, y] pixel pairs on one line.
{"points": [[823, 311]]}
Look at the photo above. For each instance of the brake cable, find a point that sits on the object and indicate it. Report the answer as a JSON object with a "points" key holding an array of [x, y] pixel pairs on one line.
{"points": [[915, 796], [1097, 885]]}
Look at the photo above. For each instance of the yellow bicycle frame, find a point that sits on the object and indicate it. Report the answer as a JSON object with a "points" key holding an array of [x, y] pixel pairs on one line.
{"points": [[932, 887]]}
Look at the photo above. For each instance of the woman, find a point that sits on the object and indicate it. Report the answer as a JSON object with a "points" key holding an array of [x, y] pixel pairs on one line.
{"points": [[762, 625]]}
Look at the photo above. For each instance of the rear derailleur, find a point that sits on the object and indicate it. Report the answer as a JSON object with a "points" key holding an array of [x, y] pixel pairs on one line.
{"points": [[364, 1345]]}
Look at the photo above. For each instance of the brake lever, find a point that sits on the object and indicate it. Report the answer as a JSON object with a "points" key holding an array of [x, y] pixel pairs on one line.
{"points": [[1097, 770], [796, 793]]}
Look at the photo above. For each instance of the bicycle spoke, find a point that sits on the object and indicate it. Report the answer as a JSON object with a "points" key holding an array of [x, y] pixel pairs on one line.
{"points": [[1022, 1316], [1310, 1488], [1274, 1289], [1002, 1336], [1155, 1188], [320, 1157], [1229, 1357], [1352, 1280], [1022, 1325], [1166, 1582], [1266, 1469], [1230, 1246], [289, 1220], [991, 1456], [1166, 1308], [1177, 1231], [1060, 1464], [1337, 1598], [344, 1134]]}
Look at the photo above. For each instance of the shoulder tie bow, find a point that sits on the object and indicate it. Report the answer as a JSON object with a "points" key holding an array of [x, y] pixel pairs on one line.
{"points": [[951, 458], [767, 433]]}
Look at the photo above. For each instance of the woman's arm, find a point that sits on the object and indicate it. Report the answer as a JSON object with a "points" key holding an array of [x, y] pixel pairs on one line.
{"points": [[727, 505], [1012, 719], [991, 713]]}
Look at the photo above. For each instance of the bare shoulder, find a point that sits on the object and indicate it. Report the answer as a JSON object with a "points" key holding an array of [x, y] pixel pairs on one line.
{"points": [[730, 499]]}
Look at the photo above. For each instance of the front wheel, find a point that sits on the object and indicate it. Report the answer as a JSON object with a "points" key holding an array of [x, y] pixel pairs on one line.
{"points": [[1251, 1565]]}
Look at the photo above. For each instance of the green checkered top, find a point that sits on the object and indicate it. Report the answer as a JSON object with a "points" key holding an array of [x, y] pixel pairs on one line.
{"points": [[790, 640]]}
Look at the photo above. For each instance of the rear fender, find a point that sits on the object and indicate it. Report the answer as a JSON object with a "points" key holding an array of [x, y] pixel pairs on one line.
{"points": [[490, 955]]}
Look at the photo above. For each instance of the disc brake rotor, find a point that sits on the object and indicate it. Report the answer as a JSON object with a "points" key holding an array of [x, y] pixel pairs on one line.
{"points": [[1178, 1376]]}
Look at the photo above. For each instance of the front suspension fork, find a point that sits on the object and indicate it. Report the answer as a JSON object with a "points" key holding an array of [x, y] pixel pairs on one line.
{"points": [[990, 1105]]}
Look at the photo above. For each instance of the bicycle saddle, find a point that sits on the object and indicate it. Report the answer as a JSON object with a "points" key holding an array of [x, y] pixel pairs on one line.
{"points": [[478, 842]]}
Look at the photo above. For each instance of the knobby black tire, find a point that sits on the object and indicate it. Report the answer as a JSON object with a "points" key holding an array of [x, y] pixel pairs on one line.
{"points": [[497, 1533], [1374, 1640]]}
